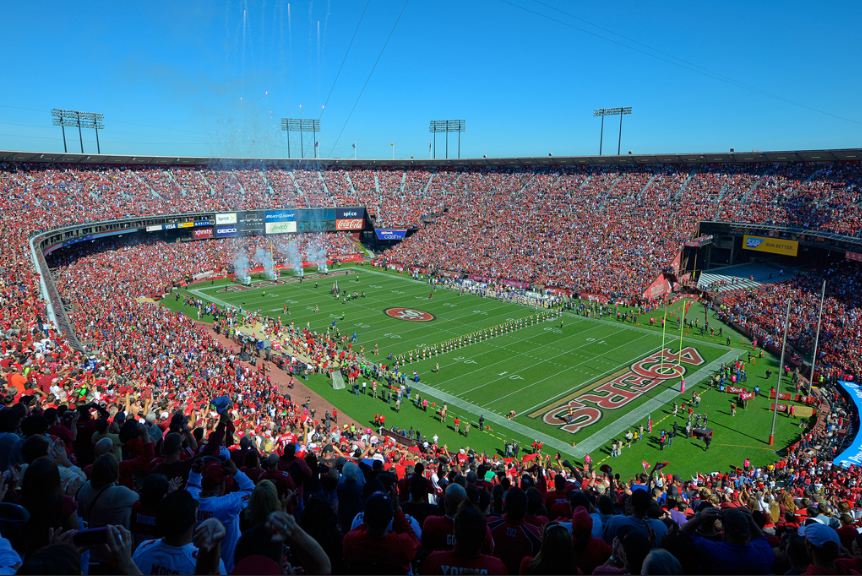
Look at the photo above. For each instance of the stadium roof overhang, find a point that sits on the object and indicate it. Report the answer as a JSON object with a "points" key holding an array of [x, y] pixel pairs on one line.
{"points": [[844, 154]]}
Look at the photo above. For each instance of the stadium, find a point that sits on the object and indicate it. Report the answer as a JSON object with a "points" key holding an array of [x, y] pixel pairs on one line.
{"points": [[612, 364]]}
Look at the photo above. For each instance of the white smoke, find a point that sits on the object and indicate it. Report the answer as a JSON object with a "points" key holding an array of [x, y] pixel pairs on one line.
{"points": [[317, 254], [264, 257], [240, 267], [294, 258]]}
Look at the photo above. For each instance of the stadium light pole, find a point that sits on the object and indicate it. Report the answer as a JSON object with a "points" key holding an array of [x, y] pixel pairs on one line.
{"points": [[354, 150], [602, 112], [59, 119], [780, 370], [817, 336], [81, 120], [446, 126], [301, 125], [95, 121]]}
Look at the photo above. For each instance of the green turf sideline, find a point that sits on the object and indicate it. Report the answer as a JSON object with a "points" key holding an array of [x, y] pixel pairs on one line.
{"points": [[497, 419], [670, 333], [518, 348], [652, 405], [566, 369]]}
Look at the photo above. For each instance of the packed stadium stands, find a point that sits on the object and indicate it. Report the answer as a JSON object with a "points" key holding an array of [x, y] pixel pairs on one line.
{"points": [[129, 434]]}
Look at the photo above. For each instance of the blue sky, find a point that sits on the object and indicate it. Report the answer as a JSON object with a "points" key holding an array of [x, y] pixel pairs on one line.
{"points": [[214, 78]]}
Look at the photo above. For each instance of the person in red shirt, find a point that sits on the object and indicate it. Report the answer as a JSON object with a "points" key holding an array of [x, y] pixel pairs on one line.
{"points": [[370, 549], [514, 538], [589, 551], [465, 558], [557, 501], [438, 532]]}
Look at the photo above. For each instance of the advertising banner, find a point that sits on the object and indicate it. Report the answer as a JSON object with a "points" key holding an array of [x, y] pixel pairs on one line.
{"points": [[202, 223], [390, 234], [154, 228], [349, 213], [350, 224], [225, 231], [771, 245], [225, 218], [280, 227], [186, 225], [853, 454], [280, 216], [202, 233]]}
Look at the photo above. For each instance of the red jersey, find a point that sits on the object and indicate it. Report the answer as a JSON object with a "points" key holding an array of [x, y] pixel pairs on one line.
{"points": [[450, 562], [392, 554], [513, 541], [438, 533]]}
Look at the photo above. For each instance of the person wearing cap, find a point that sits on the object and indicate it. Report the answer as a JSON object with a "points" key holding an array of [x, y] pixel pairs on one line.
{"points": [[207, 485], [823, 546]]}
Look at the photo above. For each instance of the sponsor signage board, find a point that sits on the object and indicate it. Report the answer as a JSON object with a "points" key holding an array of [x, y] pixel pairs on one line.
{"points": [[771, 245], [280, 227], [853, 454], [350, 224], [225, 218], [280, 216], [349, 213], [154, 228], [225, 231], [201, 223], [186, 225], [390, 234], [202, 233]]}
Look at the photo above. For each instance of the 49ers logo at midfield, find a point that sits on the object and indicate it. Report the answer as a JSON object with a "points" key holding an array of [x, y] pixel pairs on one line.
{"points": [[409, 314]]}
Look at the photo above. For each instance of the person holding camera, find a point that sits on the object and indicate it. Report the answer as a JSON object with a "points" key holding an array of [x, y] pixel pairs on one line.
{"points": [[207, 484], [743, 548]]}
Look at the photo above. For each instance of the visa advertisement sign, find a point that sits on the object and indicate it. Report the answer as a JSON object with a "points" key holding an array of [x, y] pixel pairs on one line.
{"points": [[771, 245], [390, 234]]}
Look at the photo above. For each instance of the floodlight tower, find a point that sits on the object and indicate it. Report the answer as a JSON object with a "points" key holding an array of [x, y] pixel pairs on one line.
{"points": [[446, 126], [75, 118], [602, 112], [301, 125]]}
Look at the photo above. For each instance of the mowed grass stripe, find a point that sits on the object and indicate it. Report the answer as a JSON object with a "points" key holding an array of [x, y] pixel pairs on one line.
{"points": [[495, 312]]}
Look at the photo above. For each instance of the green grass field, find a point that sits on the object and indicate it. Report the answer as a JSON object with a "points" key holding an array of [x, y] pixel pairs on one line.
{"points": [[536, 370]]}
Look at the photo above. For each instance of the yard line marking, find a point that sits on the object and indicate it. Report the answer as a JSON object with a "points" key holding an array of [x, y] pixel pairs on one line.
{"points": [[569, 351], [649, 406]]}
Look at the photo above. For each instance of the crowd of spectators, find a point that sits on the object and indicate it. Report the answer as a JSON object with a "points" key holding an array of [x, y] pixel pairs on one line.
{"points": [[611, 231], [160, 451], [761, 312]]}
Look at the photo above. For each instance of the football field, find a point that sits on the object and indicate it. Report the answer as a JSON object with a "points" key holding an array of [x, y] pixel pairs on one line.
{"points": [[574, 383]]}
